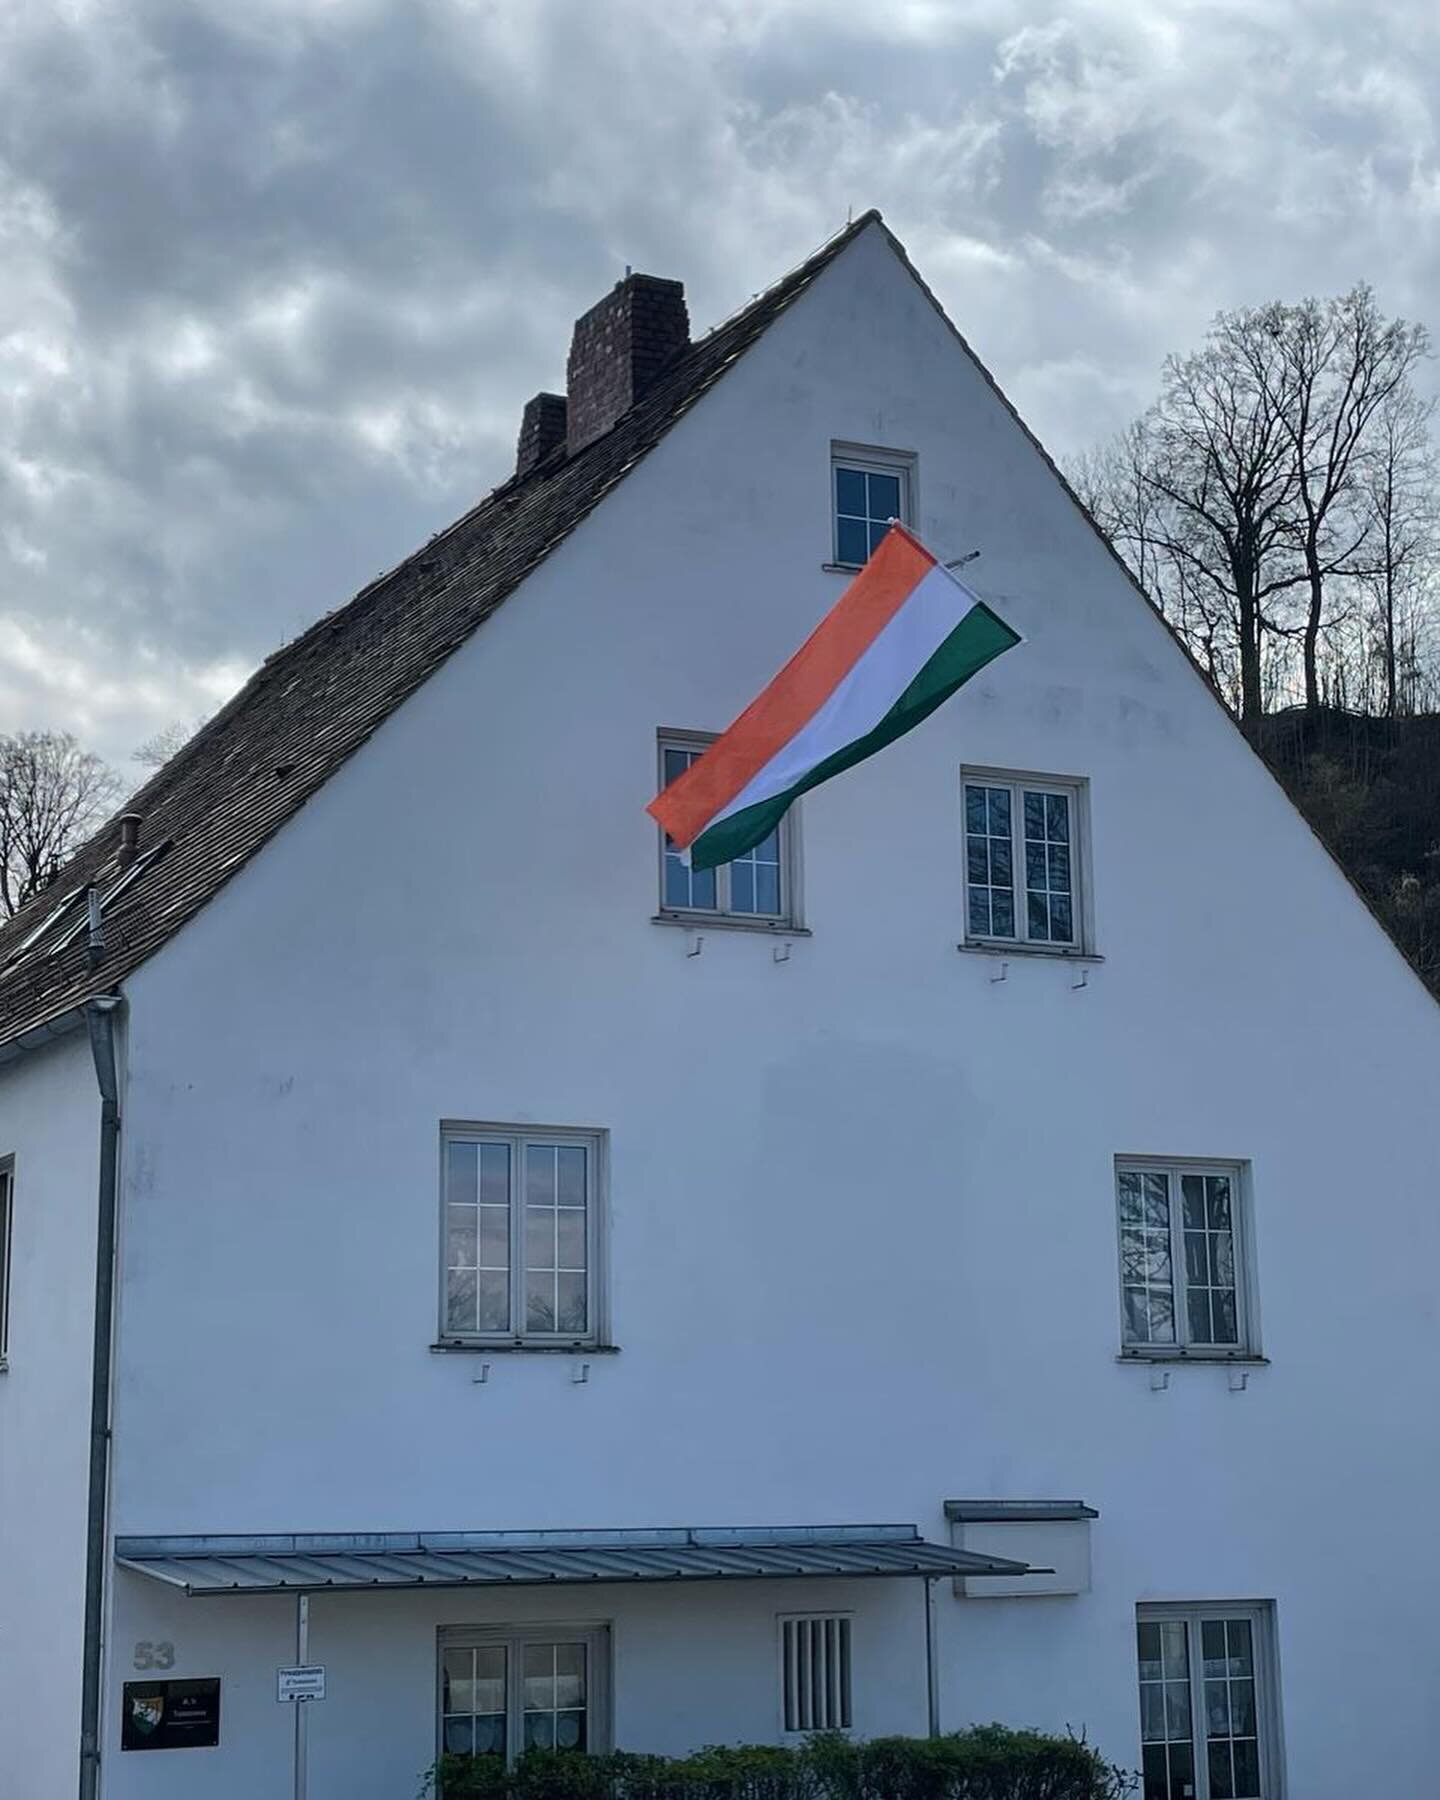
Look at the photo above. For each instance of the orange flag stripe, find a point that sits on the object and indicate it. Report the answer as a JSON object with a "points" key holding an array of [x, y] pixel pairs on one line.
{"points": [[799, 691]]}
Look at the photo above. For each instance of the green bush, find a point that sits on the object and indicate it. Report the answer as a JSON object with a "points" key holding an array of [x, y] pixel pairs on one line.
{"points": [[988, 1762]]}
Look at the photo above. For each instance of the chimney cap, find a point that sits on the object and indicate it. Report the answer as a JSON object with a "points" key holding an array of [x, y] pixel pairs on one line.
{"points": [[130, 824]]}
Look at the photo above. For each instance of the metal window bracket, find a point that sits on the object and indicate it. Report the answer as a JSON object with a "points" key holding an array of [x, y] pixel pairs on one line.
{"points": [[1159, 1379], [694, 942], [579, 1373], [780, 953], [1239, 1380], [1084, 980], [481, 1375], [1004, 974]]}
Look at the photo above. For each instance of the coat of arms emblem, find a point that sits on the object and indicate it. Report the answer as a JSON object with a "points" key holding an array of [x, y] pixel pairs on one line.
{"points": [[146, 1712]]}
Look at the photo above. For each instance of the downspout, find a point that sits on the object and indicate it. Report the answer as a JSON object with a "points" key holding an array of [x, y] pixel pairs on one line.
{"points": [[100, 1018]]}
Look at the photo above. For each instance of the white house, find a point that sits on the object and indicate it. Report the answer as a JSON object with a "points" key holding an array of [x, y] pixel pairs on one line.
{"points": [[974, 1260]]}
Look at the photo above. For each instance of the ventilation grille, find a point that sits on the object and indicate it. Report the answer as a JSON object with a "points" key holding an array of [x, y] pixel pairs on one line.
{"points": [[815, 1672]]}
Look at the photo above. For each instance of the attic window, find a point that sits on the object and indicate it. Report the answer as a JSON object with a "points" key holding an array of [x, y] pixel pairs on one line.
{"points": [[868, 488]]}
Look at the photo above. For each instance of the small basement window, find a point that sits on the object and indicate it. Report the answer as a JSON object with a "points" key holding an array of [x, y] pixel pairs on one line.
{"points": [[869, 488]]}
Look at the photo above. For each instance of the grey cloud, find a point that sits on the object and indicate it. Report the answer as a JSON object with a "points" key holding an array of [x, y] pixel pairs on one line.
{"points": [[278, 277]]}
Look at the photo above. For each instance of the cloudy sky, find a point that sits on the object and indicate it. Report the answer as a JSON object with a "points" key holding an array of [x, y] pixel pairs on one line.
{"points": [[277, 275]]}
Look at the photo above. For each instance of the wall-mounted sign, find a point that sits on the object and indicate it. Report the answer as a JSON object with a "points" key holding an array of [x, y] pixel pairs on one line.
{"points": [[300, 1681], [171, 1715]]}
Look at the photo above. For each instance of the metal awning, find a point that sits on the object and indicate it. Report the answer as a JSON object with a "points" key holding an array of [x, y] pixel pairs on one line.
{"points": [[302, 1563]]}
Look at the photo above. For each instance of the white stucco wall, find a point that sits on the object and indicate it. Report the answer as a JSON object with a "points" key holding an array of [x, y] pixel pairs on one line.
{"points": [[862, 1237], [49, 1123]]}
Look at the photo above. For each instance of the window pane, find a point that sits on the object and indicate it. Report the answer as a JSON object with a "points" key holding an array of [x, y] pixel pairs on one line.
{"points": [[495, 1174], [494, 1300], [539, 1238], [980, 912], [460, 1300], [462, 1226], [473, 1699], [553, 1696], [884, 497], [852, 541], [570, 1314], [975, 809], [459, 1736], [539, 1302], [457, 1681], [461, 1165], [767, 887], [742, 887], [850, 491], [990, 906], [490, 1679], [570, 1174], [878, 528]]}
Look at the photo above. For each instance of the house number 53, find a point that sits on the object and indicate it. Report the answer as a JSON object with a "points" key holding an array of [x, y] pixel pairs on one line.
{"points": [[154, 1656]]}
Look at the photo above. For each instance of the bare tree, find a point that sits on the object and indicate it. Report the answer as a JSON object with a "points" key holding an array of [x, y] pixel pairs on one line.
{"points": [[1399, 482], [1199, 496], [1328, 370], [52, 795]]}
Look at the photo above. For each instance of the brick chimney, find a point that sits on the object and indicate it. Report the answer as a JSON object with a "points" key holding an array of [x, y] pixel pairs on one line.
{"points": [[542, 429], [618, 349]]}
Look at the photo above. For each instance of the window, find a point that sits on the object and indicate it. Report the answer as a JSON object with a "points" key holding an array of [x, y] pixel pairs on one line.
{"points": [[1182, 1256], [815, 1672], [520, 1234], [6, 1183], [756, 888], [1208, 1715], [522, 1688], [869, 489], [1023, 861]]}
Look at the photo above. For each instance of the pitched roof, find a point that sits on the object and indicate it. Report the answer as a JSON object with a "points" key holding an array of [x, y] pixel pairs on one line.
{"points": [[312, 704]]}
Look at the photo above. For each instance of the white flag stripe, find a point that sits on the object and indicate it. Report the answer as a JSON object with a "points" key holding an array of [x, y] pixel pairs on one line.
{"points": [[863, 696]]}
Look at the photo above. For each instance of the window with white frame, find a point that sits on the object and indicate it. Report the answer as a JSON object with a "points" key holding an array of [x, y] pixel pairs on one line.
{"points": [[7, 1178], [1208, 1707], [815, 1672], [513, 1688], [1024, 860], [757, 888], [869, 488], [1183, 1274], [521, 1235]]}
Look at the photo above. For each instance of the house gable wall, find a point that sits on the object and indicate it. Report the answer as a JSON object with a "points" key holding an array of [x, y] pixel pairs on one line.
{"points": [[862, 1239]]}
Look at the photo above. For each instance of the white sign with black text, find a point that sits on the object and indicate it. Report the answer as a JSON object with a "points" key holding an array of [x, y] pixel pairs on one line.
{"points": [[300, 1681]]}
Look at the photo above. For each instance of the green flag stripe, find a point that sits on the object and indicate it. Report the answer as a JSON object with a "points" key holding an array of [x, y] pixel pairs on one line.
{"points": [[979, 637]]}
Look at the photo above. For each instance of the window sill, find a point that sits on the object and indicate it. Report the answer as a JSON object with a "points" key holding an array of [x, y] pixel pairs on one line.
{"points": [[509, 1347], [1051, 953], [842, 568], [703, 921], [1246, 1359]]}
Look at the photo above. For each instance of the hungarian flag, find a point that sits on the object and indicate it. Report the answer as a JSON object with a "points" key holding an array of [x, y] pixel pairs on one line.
{"points": [[901, 638]]}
